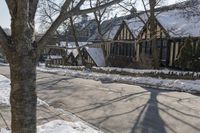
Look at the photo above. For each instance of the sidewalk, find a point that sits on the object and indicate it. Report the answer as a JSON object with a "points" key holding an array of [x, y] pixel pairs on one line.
{"points": [[44, 114]]}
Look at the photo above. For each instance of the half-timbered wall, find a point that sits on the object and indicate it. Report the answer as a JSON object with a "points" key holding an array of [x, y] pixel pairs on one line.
{"points": [[105, 45], [123, 48], [161, 39], [87, 58]]}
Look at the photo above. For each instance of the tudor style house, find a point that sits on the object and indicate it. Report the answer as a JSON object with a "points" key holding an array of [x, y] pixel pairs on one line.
{"points": [[120, 43], [171, 35], [128, 44], [61, 55]]}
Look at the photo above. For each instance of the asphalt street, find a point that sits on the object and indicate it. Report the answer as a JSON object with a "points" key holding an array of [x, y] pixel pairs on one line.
{"points": [[120, 108]]}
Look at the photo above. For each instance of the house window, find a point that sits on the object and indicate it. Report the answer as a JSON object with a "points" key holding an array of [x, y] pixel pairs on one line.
{"points": [[122, 49]]}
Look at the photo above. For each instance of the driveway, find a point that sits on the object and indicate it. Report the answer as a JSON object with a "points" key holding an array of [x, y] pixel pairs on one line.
{"points": [[121, 108]]}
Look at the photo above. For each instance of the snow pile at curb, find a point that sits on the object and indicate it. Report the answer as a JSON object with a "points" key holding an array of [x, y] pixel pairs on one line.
{"points": [[143, 71], [60, 126], [4, 90], [179, 85], [3, 64], [164, 73], [5, 93], [131, 70]]}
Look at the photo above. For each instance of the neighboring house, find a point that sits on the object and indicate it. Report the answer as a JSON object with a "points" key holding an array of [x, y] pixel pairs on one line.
{"points": [[56, 55], [68, 55], [94, 56], [123, 49], [119, 42], [73, 58], [84, 29], [128, 44], [172, 31], [126, 41]]}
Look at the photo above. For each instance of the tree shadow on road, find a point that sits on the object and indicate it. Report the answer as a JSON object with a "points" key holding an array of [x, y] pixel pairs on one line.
{"points": [[149, 120]]}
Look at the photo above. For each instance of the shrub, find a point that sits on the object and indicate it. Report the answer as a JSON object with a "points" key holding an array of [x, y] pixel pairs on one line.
{"points": [[186, 55]]}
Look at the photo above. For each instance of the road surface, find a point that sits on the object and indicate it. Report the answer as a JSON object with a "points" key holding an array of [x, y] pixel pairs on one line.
{"points": [[120, 108]]}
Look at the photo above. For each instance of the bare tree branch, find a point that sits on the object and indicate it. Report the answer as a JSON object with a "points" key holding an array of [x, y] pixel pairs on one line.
{"points": [[4, 40], [64, 14], [12, 6], [33, 7]]}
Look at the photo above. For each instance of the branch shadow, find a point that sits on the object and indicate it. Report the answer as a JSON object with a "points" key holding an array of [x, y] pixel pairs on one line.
{"points": [[149, 120]]}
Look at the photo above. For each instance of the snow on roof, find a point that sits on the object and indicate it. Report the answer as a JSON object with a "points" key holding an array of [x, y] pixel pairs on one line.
{"points": [[55, 57], [72, 44], [110, 34], [177, 25], [73, 51], [136, 25], [97, 55]]}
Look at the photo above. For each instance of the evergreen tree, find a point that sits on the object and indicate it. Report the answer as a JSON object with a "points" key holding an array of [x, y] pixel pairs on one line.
{"points": [[186, 55]]}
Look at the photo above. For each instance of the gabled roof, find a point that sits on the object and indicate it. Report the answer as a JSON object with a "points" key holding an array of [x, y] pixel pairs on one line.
{"points": [[97, 56], [171, 18], [110, 34], [72, 45], [135, 24], [177, 25], [109, 29], [74, 52]]}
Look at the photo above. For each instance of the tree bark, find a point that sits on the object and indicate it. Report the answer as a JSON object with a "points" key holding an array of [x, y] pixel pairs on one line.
{"points": [[76, 41], [23, 96], [22, 60], [153, 33], [23, 51]]}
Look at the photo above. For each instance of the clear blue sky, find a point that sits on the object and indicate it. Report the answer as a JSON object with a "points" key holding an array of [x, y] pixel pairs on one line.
{"points": [[5, 16]]}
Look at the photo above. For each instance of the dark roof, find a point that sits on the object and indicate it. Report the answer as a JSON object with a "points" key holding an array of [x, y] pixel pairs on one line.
{"points": [[108, 25]]}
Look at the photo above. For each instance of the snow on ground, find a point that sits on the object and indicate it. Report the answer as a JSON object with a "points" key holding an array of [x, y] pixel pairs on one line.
{"points": [[5, 92], [179, 85], [142, 71], [4, 64], [134, 71], [60, 126], [56, 126]]}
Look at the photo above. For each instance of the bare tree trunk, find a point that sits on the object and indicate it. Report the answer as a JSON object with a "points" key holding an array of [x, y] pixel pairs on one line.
{"points": [[153, 32], [23, 97], [22, 52], [22, 61], [76, 41]]}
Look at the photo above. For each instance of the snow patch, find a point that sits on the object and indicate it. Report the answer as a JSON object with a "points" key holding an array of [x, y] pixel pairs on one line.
{"points": [[5, 93], [60, 126], [169, 84]]}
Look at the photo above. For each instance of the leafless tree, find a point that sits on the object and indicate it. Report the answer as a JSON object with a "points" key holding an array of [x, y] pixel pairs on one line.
{"points": [[190, 8], [151, 12], [23, 51], [100, 16], [48, 10], [153, 32]]}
